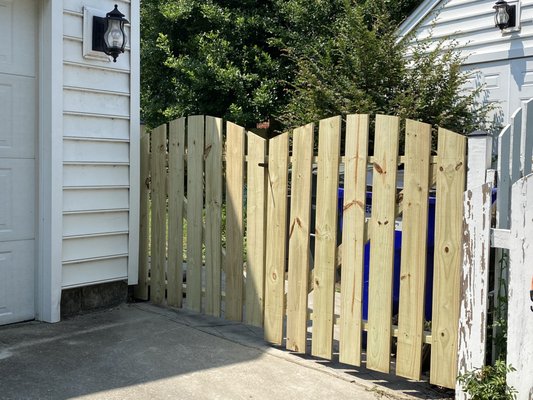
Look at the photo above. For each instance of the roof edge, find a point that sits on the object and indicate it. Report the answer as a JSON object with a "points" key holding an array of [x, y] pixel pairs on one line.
{"points": [[412, 21]]}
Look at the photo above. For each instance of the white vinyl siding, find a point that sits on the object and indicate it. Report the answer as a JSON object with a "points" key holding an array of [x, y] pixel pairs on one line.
{"points": [[80, 199], [471, 24], [503, 61], [97, 154]]}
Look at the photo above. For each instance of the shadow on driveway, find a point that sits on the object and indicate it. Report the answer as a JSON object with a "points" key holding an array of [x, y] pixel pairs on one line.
{"points": [[140, 351]]}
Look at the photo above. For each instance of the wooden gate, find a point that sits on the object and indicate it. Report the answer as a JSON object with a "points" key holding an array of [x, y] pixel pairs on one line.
{"points": [[304, 270]]}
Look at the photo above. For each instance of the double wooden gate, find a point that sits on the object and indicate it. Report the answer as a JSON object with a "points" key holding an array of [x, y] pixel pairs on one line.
{"points": [[264, 243]]}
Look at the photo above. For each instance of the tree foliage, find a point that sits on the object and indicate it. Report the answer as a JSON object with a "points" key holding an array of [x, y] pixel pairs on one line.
{"points": [[361, 68], [295, 61], [210, 57]]}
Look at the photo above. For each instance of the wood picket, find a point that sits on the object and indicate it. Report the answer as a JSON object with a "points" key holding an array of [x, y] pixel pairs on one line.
{"points": [[299, 239], [414, 249], [385, 166]]}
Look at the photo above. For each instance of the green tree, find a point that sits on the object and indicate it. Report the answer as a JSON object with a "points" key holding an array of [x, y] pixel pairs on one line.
{"points": [[361, 68], [210, 57], [295, 61]]}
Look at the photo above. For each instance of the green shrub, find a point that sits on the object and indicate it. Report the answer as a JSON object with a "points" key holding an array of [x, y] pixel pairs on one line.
{"points": [[361, 68], [488, 383]]}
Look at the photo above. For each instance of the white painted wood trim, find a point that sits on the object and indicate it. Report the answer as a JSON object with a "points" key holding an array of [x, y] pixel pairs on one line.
{"points": [[88, 52], [500, 238], [516, 134], [479, 160], [50, 223], [526, 141], [417, 16], [504, 178], [135, 89], [520, 317]]}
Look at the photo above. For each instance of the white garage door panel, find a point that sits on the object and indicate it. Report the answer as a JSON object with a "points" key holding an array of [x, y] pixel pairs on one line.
{"points": [[495, 77], [18, 127], [17, 283], [508, 83], [17, 131], [18, 24], [17, 199]]}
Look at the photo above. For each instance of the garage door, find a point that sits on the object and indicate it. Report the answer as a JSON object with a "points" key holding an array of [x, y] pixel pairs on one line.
{"points": [[508, 84], [18, 127]]}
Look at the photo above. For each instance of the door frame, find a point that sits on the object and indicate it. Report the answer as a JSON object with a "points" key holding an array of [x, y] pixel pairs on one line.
{"points": [[49, 161]]}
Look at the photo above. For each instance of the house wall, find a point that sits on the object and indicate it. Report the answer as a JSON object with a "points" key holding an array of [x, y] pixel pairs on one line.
{"points": [[503, 61], [100, 153], [471, 23]]}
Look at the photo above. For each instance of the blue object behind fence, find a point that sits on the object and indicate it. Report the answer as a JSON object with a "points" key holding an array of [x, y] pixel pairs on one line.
{"points": [[397, 258]]}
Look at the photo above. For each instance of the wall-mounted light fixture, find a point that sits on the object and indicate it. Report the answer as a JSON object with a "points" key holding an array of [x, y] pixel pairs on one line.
{"points": [[505, 15], [108, 33]]}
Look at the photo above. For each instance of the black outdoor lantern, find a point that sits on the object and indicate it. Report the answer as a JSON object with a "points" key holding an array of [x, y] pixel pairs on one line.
{"points": [[505, 16], [108, 33]]}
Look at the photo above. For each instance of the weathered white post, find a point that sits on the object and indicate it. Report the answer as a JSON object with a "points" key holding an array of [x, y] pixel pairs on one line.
{"points": [[520, 315], [476, 256]]}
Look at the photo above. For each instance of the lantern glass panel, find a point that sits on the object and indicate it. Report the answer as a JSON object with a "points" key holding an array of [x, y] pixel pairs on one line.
{"points": [[114, 36], [502, 17]]}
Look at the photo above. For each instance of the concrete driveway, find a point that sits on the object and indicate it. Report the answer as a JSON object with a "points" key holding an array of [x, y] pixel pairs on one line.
{"points": [[139, 351]]}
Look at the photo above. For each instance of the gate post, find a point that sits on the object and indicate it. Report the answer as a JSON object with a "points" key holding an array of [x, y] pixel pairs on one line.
{"points": [[476, 256]]}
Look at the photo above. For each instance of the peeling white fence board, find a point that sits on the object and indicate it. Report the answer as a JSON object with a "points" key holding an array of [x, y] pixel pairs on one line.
{"points": [[479, 160], [526, 145], [474, 280], [516, 133], [504, 178], [520, 316]]}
